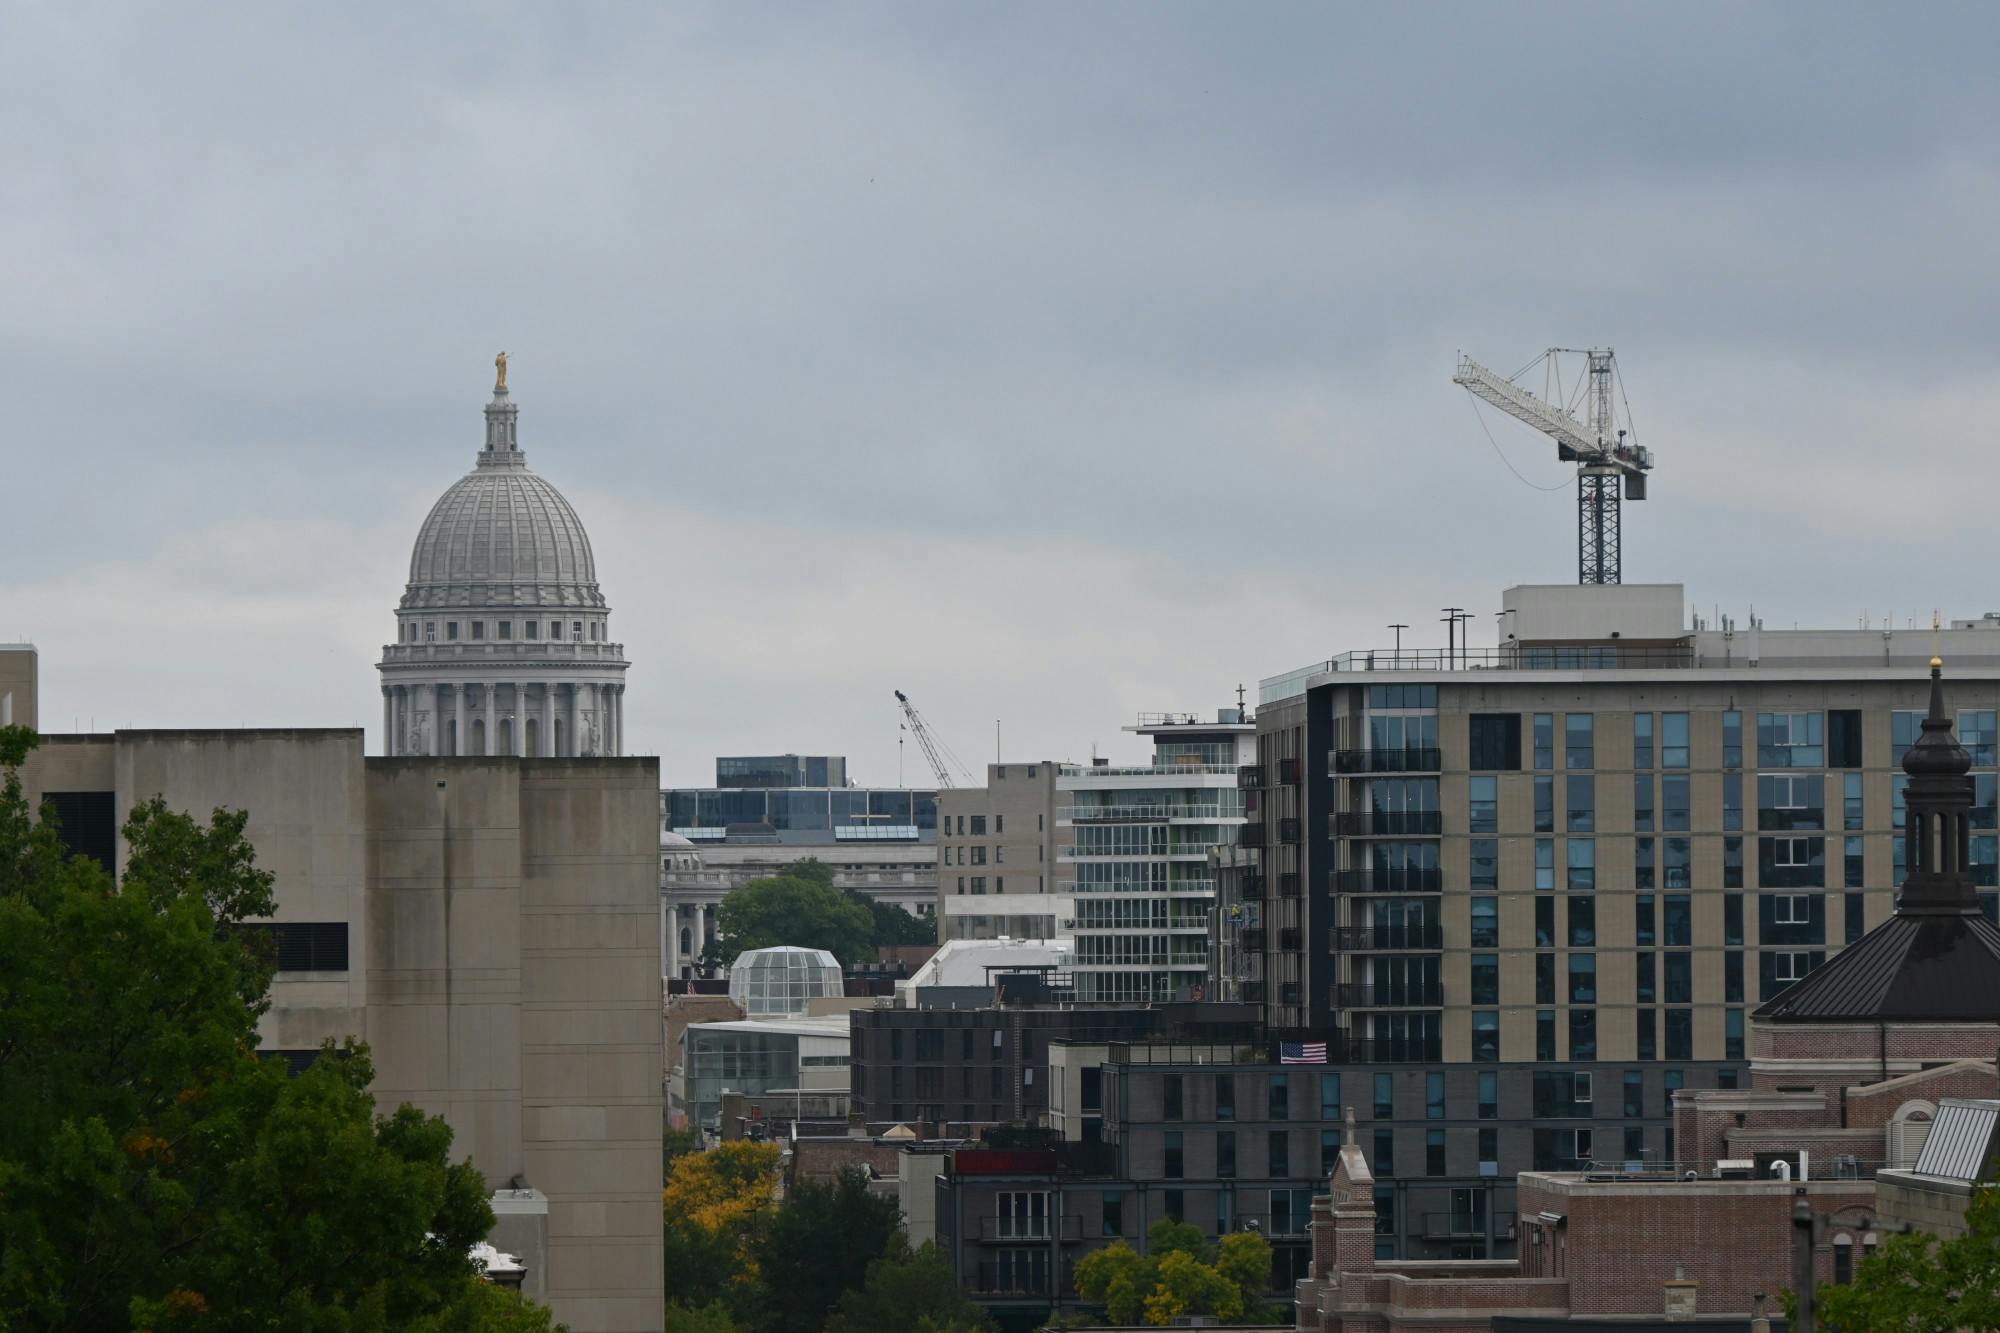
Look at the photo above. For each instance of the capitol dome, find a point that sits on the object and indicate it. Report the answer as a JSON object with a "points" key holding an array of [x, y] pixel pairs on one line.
{"points": [[503, 637]]}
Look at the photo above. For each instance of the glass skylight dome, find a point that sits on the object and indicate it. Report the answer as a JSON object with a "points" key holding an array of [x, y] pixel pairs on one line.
{"points": [[779, 981]]}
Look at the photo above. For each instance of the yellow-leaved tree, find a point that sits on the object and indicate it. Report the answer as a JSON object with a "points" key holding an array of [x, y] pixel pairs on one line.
{"points": [[714, 1203]]}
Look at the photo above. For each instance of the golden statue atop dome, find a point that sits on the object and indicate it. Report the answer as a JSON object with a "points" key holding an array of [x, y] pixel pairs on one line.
{"points": [[500, 364]]}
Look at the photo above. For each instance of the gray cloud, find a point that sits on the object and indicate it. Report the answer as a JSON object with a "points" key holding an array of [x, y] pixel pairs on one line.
{"points": [[1005, 355]]}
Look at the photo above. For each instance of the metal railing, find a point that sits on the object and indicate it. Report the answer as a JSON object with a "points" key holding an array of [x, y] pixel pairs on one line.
{"points": [[1410, 995], [1250, 775], [1412, 759], [1132, 814], [1388, 823], [1387, 879], [1381, 938], [1467, 1226], [996, 1230], [1532, 657]]}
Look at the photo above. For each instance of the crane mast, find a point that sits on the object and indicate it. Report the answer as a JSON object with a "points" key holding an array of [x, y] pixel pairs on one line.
{"points": [[1609, 470], [925, 741]]}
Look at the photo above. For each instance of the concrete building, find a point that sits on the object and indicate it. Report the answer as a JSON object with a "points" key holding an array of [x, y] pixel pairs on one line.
{"points": [[756, 1056], [18, 705], [503, 637], [997, 874], [487, 925], [760, 819], [1133, 848]]}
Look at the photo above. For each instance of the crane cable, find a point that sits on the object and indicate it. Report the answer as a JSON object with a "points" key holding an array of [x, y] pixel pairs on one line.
{"points": [[1481, 417]]}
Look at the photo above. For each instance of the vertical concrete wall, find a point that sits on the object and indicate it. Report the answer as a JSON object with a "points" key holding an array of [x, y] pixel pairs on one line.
{"points": [[18, 702], [590, 1034]]}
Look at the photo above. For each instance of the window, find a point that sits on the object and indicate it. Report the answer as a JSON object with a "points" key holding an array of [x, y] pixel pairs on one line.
{"points": [[1732, 1034], [1680, 977], [301, 946], [1645, 873], [1329, 1151], [1024, 1214], [1582, 808], [1434, 1152], [1170, 1095], [1545, 978], [1545, 804], [1680, 1034], [1385, 1152], [1642, 803], [555, 631], [1732, 739], [1732, 977], [506, 629], [1278, 1147], [1485, 922], [1792, 740], [1644, 920], [1484, 802], [1792, 801], [1779, 968], [1791, 909], [1674, 802], [1114, 1213], [1545, 863], [1582, 978], [450, 630], [576, 630], [1791, 863], [1489, 1152], [1673, 740], [1433, 1096], [1732, 918], [533, 628], [979, 825], [1648, 1042], [1489, 1095], [1843, 738], [1732, 801], [478, 629], [1291, 1211], [1000, 821], [1975, 733], [1635, 1093], [1280, 1096], [1904, 728], [1174, 1204], [1545, 1034], [1485, 978], [1329, 1096], [1545, 740], [1642, 740], [1496, 742], [1582, 923], [1225, 1096], [1647, 990], [1545, 923], [1671, 1082], [1225, 1153], [1732, 863], [430, 631], [1850, 800], [1680, 921], [1582, 865], [1485, 1035], [1485, 859], [1173, 1155], [1579, 741], [1385, 1097]]}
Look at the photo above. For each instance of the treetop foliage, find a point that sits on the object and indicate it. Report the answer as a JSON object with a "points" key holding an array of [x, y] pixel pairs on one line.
{"points": [[1180, 1274], [802, 907]]}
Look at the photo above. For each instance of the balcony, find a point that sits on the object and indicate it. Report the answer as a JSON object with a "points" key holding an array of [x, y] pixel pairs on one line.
{"points": [[1388, 823], [1250, 776], [1291, 939], [1387, 938], [1409, 995], [1251, 937], [1250, 884], [1289, 771], [1288, 883], [1005, 1230], [1019, 1279], [1288, 830], [1387, 879], [1250, 835], [1253, 992], [1391, 1050], [1467, 1226], [1411, 759]]}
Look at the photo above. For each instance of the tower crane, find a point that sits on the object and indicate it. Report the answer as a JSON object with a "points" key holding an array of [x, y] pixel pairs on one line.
{"points": [[1605, 462], [934, 749]]}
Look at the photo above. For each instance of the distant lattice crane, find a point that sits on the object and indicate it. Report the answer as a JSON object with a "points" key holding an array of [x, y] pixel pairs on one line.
{"points": [[935, 750], [1606, 462]]}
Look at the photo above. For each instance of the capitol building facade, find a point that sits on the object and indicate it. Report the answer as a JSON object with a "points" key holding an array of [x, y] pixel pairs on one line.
{"points": [[503, 637]]}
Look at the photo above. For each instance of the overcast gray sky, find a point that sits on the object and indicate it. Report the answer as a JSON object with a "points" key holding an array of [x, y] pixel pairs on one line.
{"points": [[1048, 362]]}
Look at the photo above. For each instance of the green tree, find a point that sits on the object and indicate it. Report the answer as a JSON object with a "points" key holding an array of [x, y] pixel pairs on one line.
{"points": [[796, 909], [1916, 1281], [819, 1245], [1116, 1277], [711, 1318], [154, 1172], [1180, 1274], [678, 1143], [909, 1291], [894, 926], [715, 1205]]}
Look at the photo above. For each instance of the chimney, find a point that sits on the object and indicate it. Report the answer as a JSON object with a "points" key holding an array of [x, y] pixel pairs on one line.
{"points": [[857, 1125], [1681, 1293]]}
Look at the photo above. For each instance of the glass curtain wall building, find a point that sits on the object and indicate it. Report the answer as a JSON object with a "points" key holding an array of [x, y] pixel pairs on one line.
{"points": [[1133, 847]]}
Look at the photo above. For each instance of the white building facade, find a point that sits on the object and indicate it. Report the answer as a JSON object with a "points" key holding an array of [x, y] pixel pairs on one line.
{"points": [[1134, 854], [503, 637]]}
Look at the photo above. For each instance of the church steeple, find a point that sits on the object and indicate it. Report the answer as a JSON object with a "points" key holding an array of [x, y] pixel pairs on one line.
{"points": [[1939, 816], [502, 449]]}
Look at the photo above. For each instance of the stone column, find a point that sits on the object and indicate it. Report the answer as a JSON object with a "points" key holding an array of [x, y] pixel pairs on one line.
{"points": [[609, 694], [388, 719], [520, 720], [575, 711], [458, 745], [548, 746], [618, 705], [430, 696], [492, 719]]}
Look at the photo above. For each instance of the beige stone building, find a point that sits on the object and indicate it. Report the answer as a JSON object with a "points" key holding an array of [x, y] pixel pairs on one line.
{"points": [[997, 872], [488, 925]]}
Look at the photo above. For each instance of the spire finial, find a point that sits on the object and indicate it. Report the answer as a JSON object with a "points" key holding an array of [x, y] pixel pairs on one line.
{"points": [[500, 365]]}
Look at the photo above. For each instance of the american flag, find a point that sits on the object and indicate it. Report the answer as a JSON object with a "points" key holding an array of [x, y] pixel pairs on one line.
{"points": [[1302, 1053]]}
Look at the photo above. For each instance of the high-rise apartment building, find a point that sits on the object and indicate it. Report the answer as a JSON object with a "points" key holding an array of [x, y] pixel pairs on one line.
{"points": [[1604, 840], [1134, 844], [997, 873]]}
